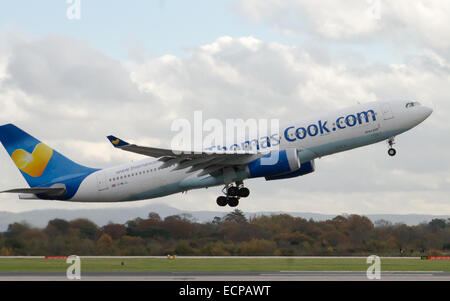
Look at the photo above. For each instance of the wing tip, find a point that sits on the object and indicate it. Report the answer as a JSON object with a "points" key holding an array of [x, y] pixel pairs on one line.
{"points": [[116, 142]]}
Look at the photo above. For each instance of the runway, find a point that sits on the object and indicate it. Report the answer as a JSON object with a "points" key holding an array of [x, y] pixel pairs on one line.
{"points": [[227, 276]]}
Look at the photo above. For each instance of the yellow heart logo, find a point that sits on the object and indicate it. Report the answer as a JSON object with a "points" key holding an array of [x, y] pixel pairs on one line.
{"points": [[115, 142], [35, 163]]}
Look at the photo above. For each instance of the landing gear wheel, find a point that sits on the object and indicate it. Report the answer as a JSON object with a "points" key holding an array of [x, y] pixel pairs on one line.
{"points": [[392, 152], [232, 194], [244, 192], [233, 191], [222, 201], [233, 202]]}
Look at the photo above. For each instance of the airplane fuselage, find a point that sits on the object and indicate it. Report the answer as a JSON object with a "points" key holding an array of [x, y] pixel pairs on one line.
{"points": [[317, 137]]}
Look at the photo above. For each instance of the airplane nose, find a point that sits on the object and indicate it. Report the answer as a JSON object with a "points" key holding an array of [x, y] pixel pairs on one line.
{"points": [[428, 111]]}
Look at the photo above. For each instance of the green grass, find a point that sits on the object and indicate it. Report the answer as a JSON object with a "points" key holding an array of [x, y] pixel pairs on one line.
{"points": [[222, 264]]}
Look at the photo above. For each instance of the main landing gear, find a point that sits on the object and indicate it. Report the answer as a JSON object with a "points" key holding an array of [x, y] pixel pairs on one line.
{"points": [[233, 194], [392, 152]]}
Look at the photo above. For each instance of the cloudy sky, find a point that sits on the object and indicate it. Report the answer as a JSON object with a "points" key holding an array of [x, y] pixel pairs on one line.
{"points": [[131, 69]]}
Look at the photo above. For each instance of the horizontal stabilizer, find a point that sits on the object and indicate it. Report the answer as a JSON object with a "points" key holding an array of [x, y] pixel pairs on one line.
{"points": [[38, 190]]}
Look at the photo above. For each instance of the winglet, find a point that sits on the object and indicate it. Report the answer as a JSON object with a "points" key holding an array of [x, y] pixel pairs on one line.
{"points": [[116, 142]]}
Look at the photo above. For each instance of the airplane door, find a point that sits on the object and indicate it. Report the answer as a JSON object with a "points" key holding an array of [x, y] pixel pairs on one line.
{"points": [[101, 182], [387, 111]]}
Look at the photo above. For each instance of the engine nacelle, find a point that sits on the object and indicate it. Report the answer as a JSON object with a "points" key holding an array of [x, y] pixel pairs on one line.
{"points": [[270, 165], [305, 168]]}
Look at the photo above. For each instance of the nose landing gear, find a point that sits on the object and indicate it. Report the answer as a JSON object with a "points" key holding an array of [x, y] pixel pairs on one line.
{"points": [[233, 194], [392, 152]]}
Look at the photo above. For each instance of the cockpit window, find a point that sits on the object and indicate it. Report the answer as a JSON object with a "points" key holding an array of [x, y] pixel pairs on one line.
{"points": [[412, 104]]}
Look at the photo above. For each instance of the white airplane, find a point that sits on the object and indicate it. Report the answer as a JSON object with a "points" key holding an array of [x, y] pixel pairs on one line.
{"points": [[52, 176]]}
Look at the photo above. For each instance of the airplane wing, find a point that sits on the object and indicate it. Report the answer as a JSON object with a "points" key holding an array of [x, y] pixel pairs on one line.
{"points": [[161, 152], [208, 161]]}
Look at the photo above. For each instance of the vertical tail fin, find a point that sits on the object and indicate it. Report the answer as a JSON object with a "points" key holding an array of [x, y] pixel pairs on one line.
{"points": [[39, 164]]}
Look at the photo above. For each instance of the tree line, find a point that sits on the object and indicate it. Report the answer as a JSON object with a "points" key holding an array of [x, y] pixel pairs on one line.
{"points": [[234, 234]]}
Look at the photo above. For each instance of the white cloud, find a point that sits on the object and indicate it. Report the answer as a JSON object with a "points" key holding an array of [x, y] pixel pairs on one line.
{"points": [[333, 19], [423, 23], [61, 68], [234, 78]]}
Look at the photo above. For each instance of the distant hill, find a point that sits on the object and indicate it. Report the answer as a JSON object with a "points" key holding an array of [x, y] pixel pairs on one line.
{"points": [[40, 218]]}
